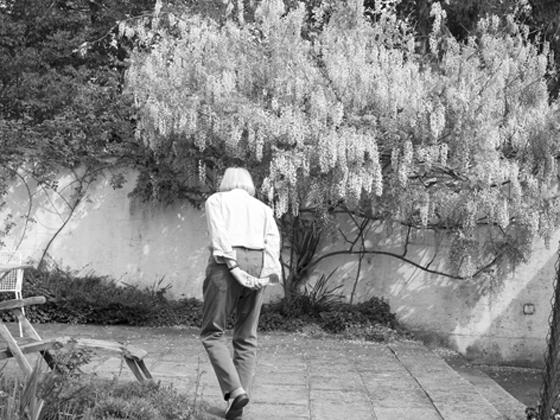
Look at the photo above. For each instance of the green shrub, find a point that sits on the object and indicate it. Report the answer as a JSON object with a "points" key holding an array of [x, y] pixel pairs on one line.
{"points": [[10, 395], [117, 408], [370, 320], [67, 390], [271, 320], [179, 312], [377, 310], [89, 299], [338, 321], [100, 300]]}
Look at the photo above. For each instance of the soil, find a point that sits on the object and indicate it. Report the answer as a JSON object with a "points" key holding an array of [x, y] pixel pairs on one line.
{"points": [[523, 383]]}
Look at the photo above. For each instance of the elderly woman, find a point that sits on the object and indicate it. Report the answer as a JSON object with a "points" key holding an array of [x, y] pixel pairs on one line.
{"points": [[245, 248]]}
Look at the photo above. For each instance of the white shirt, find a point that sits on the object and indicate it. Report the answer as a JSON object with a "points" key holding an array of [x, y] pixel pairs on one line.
{"points": [[235, 218]]}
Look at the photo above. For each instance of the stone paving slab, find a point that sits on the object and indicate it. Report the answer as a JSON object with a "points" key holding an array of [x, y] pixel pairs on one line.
{"points": [[451, 394], [305, 378], [506, 403]]}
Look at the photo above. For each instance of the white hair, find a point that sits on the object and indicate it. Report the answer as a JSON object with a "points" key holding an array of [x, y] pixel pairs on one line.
{"points": [[237, 178]]}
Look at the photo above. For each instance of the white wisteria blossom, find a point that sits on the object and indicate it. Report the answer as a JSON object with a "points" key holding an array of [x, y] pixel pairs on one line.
{"points": [[460, 139]]}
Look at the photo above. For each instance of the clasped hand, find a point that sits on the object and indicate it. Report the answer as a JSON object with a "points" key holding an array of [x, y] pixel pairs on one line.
{"points": [[247, 280]]}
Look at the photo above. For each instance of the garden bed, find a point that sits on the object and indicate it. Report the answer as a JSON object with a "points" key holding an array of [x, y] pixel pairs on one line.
{"points": [[99, 300]]}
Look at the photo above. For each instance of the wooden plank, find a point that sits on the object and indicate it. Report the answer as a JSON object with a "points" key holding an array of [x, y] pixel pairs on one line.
{"points": [[10, 267], [29, 346], [144, 369], [49, 359], [9, 305], [14, 349], [32, 347], [134, 368], [28, 330], [33, 343], [111, 346]]}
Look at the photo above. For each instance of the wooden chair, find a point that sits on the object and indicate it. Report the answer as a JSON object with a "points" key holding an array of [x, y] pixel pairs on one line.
{"points": [[31, 342]]}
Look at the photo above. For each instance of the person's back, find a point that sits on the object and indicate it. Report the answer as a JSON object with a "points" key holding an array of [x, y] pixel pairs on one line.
{"points": [[242, 218], [245, 250]]}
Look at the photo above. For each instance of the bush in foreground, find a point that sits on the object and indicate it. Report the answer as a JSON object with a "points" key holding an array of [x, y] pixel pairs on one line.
{"points": [[68, 393]]}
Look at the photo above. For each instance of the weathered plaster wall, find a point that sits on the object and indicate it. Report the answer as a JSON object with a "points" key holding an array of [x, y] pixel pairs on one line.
{"points": [[139, 243], [485, 323]]}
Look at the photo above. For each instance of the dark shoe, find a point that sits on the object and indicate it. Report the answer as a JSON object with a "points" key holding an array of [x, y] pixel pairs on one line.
{"points": [[235, 410]]}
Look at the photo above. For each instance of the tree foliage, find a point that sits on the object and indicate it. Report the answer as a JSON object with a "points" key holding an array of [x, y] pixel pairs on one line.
{"points": [[61, 102], [61, 108], [542, 17], [462, 139]]}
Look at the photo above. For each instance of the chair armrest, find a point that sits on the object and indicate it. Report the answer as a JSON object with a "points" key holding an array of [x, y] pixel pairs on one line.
{"points": [[20, 303], [8, 267]]}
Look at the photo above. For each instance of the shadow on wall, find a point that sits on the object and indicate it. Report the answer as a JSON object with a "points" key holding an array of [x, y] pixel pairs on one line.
{"points": [[504, 323], [110, 234], [514, 325], [40, 214]]}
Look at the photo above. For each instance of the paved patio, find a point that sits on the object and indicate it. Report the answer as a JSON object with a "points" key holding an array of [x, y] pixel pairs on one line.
{"points": [[315, 379]]}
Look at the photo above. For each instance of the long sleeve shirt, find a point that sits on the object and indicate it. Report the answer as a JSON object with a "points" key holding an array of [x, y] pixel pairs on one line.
{"points": [[235, 218]]}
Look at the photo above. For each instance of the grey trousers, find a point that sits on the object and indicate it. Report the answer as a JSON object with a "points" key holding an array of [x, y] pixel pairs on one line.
{"points": [[222, 296]]}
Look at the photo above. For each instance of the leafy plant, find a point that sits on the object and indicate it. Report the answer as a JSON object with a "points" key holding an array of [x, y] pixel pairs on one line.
{"points": [[321, 306], [67, 391], [19, 397], [89, 298], [9, 399], [320, 297], [76, 299]]}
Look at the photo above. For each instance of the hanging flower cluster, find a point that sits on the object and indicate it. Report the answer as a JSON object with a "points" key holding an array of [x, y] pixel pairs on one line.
{"points": [[461, 138]]}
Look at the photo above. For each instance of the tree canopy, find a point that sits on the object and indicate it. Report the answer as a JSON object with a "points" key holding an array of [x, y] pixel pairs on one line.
{"points": [[60, 107], [61, 102], [461, 139]]}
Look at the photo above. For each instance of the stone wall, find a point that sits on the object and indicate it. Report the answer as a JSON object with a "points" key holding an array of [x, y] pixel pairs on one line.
{"points": [[144, 244]]}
